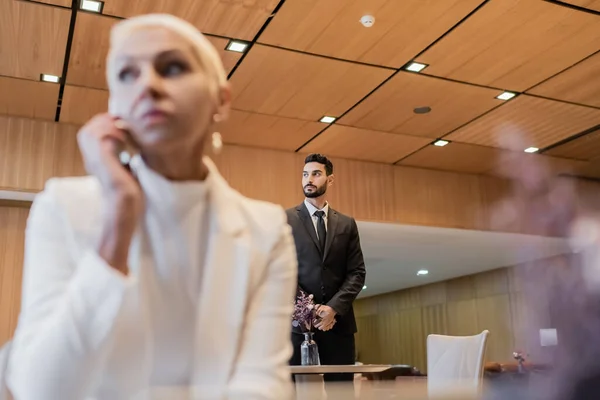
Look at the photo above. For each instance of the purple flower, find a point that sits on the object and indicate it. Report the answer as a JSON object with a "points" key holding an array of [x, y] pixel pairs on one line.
{"points": [[304, 312]]}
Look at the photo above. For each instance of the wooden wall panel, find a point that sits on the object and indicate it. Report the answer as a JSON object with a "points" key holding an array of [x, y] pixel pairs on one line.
{"points": [[493, 314], [33, 151], [450, 199], [12, 232], [509, 302]]}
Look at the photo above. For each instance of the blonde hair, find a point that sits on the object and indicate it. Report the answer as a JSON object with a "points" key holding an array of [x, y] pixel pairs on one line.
{"points": [[205, 52]]}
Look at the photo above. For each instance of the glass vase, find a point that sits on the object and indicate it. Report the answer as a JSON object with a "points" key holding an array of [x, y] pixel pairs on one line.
{"points": [[309, 352]]}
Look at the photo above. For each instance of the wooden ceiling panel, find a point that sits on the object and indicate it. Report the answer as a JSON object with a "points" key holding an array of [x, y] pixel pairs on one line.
{"points": [[267, 131], [237, 19], [33, 38], [62, 3], [584, 148], [527, 121], [579, 84], [29, 99], [290, 84], [80, 104], [229, 58], [508, 161], [468, 158], [362, 144], [514, 44], [402, 29], [589, 4], [90, 46], [458, 157], [87, 61], [390, 108], [589, 170]]}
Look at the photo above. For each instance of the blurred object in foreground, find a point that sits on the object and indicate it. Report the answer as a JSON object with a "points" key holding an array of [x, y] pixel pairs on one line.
{"points": [[541, 202]]}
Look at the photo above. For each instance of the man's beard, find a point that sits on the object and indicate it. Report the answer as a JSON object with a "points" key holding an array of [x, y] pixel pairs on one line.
{"points": [[320, 191]]}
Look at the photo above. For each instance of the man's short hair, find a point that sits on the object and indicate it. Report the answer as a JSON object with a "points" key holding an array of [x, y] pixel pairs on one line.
{"points": [[321, 159]]}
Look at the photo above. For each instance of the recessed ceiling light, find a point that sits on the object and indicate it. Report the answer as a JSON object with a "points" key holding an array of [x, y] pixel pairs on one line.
{"points": [[422, 272], [50, 78], [415, 67], [364, 287], [531, 150], [440, 143], [506, 96], [92, 6], [327, 120], [237, 46], [422, 110]]}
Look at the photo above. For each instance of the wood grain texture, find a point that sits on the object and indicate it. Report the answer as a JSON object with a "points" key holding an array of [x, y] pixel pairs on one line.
{"points": [[392, 331], [33, 151], [584, 148], [401, 30], [240, 19], [458, 157], [62, 3], [33, 38], [27, 98], [527, 121], [290, 84], [268, 131], [390, 108], [87, 63], [79, 104], [12, 236], [514, 44], [363, 144], [589, 4], [578, 84]]}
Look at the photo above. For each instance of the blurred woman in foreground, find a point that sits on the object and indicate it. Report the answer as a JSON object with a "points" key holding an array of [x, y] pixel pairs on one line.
{"points": [[156, 278]]}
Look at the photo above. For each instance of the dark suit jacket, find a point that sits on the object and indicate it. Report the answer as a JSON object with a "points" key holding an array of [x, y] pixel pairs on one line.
{"points": [[336, 277]]}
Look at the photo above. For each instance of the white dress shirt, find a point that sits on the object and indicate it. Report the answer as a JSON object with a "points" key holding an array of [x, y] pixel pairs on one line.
{"points": [[312, 210]]}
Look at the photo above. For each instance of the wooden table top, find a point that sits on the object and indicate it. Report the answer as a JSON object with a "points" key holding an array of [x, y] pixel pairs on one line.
{"points": [[338, 369]]}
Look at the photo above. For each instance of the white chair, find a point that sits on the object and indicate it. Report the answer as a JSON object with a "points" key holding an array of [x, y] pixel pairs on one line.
{"points": [[455, 363]]}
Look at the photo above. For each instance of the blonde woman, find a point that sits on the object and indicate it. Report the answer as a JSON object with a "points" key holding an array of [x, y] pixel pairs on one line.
{"points": [[156, 279]]}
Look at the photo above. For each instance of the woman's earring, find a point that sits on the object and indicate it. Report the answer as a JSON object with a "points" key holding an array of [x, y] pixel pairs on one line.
{"points": [[217, 140]]}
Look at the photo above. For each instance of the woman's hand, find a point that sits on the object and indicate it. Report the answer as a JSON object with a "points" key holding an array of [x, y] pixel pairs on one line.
{"points": [[100, 142]]}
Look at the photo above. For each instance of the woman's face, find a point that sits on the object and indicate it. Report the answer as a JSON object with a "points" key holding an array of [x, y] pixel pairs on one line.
{"points": [[159, 88]]}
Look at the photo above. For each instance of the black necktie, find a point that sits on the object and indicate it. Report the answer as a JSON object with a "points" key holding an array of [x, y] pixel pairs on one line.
{"points": [[321, 231]]}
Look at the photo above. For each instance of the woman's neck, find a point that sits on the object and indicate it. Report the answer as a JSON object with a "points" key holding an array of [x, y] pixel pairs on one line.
{"points": [[181, 164]]}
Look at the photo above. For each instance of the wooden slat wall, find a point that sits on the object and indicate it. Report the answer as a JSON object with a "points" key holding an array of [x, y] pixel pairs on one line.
{"points": [[33, 151], [12, 231], [393, 327]]}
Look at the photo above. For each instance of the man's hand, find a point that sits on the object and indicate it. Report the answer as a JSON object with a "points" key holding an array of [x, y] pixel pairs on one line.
{"points": [[327, 318]]}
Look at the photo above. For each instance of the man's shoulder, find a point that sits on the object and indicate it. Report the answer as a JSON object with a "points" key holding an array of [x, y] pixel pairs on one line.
{"points": [[343, 218], [292, 212]]}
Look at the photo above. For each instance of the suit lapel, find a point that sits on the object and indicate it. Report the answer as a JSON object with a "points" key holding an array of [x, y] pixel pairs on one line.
{"points": [[308, 224], [332, 220]]}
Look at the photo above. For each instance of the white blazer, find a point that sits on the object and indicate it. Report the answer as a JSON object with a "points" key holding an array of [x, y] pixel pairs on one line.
{"points": [[71, 322]]}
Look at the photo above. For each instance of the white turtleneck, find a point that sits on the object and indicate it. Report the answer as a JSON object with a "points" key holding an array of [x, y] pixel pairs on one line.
{"points": [[172, 238]]}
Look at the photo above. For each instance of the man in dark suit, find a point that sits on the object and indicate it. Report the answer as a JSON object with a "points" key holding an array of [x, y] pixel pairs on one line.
{"points": [[330, 267]]}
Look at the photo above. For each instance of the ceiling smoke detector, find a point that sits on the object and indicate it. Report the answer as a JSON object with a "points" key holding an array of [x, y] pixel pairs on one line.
{"points": [[367, 21]]}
